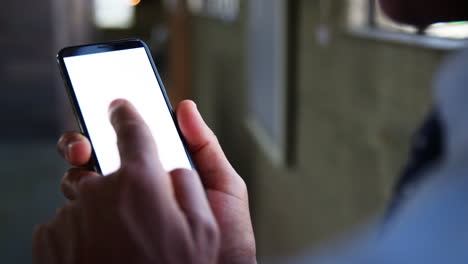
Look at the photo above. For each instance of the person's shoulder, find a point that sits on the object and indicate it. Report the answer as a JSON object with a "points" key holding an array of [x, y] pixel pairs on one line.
{"points": [[451, 96]]}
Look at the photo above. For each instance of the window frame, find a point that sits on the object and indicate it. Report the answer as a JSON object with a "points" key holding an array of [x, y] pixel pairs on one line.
{"points": [[371, 29]]}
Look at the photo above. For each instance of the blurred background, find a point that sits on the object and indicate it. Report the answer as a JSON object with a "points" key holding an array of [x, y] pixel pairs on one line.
{"points": [[314, 102]]}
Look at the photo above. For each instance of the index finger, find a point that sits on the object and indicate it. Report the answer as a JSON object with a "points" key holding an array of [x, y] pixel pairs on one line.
{"points": [[140, 164], [134, 139]]}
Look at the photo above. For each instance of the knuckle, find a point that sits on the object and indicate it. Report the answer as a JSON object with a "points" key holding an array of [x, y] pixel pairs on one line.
{"points": [[70, 176], [141, 161], [122, 182], [244, 190], [214, 138], [86, 187], [129, 180], [208, 229], [129, 128], [181, 174], [212, 232], [212, 237], [138, 163], [237, 186], [130, 172], [242, 184]]}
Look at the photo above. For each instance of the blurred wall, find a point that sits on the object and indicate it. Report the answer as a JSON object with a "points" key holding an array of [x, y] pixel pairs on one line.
{"points": [[34, 110], [32, 92], [25, 70], [358, 101]]}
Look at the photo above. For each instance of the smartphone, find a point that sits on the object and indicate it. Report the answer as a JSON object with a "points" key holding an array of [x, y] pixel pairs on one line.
{"points": [[97, 74]]}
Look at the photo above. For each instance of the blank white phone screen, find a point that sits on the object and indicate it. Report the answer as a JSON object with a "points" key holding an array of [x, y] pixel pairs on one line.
{"points": [[100, 78]]}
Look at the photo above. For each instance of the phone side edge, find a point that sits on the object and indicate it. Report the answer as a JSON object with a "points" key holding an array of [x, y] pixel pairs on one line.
{"points": [[75, 106], [168, 102]]}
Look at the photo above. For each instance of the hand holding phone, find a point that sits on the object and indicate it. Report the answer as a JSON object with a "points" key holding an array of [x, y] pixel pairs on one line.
{"points": [[225, 189], [132, 215], [96, 75]]}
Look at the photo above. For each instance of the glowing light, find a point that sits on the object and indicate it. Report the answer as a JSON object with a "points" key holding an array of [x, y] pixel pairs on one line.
{"points": [[196, 6], [134, 2], [113, 14], [454, 30]]}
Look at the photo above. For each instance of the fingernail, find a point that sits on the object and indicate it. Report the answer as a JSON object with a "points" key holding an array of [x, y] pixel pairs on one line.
{"points": [[115, 104], [70, 147]]}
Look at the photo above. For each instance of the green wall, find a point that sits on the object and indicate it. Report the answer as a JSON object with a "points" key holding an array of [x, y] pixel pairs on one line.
{"points": [[357, 100]]}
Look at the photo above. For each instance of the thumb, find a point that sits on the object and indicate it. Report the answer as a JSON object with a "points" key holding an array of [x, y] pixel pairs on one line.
{"points": [[214, 168]]}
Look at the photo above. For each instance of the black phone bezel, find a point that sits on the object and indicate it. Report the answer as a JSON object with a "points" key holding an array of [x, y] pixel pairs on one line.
{"points": [[101, 48]]}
